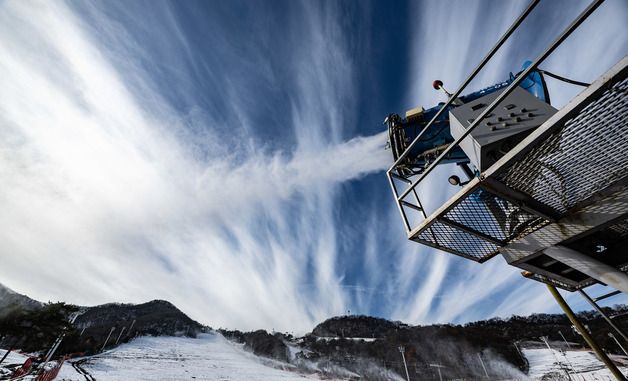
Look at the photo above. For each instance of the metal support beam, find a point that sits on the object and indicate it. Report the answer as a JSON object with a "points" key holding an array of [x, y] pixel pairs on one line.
{"points": [[608, 320], [400, 178], [471, 231], [570, 284], [602, 297], [406, 224], [577, 223], [521, 199], [585, 334], [411, 206], [592, 267]]}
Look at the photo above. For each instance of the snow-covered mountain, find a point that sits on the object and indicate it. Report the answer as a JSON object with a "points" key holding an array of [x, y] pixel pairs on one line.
{"points": [[344, 347], [156, 318], [11, 300], [31, 325]]}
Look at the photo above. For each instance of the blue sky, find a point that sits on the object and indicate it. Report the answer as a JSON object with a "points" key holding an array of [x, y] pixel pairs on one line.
{"points": [[228, 156]]}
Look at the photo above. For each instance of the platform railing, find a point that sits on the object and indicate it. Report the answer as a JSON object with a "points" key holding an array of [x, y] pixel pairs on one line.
{"points": [[401, 199]]}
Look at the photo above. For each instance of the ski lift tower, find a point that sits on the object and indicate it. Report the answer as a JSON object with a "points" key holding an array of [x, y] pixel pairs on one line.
{"points": [[551, 196]]}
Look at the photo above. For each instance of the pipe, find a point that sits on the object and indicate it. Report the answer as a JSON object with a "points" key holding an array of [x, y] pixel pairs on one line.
{"points": [[585, 334], [592, 267]]}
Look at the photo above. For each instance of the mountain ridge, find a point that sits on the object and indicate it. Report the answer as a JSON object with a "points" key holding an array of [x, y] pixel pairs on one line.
{"points": [[11, 300], [348, 342]]}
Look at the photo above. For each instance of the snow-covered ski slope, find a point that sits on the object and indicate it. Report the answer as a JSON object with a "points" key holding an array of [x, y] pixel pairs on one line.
{"points": [[581, 365], [13, 358], [209, 357]]}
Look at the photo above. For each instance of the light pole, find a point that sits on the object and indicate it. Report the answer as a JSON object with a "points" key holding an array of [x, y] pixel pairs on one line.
{"points": [[438, 366], [108, 336], [565, 340], [130, 328], [402, 350], [573, 369], [120, 335], [544, 338], [610, 334], [483, 367]]}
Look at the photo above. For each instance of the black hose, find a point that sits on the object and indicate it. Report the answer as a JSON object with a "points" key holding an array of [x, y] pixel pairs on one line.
{"points": [[573, 82]]}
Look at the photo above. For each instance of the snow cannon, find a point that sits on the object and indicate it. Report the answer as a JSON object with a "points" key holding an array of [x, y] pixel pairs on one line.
{"points": [[506, 131]]}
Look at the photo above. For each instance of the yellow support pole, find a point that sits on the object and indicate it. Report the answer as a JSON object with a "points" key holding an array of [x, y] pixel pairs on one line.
{"points": [[585, 334]]}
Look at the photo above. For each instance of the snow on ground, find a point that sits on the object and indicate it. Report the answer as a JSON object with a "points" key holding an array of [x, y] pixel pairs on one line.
{"points": [[332, 338], [581, 365], [208, 357], [211, 357], [12, 358]]}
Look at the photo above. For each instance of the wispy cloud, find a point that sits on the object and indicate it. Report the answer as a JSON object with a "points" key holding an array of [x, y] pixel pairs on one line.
{"points": [[105, 197], [142, 156]]}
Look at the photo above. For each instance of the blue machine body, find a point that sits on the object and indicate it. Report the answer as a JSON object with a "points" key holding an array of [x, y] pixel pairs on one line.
{"points": [[403, 132]]}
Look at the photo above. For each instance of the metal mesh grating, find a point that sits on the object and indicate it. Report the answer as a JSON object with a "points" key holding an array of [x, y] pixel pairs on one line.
{"points": [[587, 155], [563, 166], [457, 241], [563, 285], [620, 228], [493, 216]]}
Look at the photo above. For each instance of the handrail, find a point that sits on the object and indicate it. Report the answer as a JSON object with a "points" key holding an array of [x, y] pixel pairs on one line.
{"points": [[480, 66], [549, 50]]}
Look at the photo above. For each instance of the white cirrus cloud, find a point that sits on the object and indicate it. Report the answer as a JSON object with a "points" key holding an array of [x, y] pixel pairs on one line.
{"points": [[106, 198]]}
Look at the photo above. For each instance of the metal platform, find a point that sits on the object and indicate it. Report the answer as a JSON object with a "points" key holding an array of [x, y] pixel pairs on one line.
{"points": [[566, 184], [555, 205]]}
